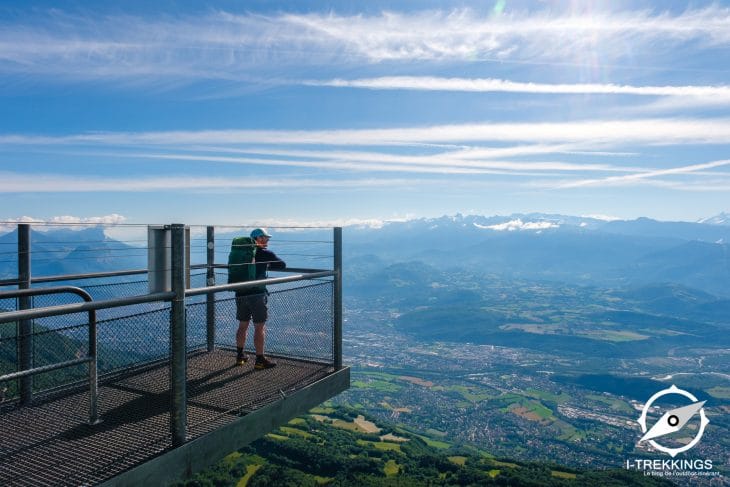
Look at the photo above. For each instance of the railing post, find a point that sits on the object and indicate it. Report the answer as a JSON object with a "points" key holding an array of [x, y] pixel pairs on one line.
{"points": [[24, 327], [93, 371], [210, 281], [337, 301], [178, 340]]}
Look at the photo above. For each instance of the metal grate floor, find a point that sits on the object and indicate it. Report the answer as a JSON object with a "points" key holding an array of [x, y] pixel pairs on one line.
{"points": [[50, 443]]}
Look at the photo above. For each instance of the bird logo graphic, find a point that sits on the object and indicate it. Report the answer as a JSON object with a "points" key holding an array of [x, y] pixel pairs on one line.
{"points": [[673, 421]]}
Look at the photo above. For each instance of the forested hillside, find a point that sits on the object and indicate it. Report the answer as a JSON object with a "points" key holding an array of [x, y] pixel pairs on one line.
{"points": [[339, 446]]}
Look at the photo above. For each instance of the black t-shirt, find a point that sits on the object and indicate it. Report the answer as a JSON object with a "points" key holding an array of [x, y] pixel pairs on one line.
{"points": [[265, 260]]}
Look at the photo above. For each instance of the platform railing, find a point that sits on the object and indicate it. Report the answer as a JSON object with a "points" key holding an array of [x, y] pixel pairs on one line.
{"points": [[177, 300], [90, 359]]}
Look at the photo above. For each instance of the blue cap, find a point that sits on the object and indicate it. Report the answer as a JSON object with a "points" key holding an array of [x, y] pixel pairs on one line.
{"points": [[259, 232]]}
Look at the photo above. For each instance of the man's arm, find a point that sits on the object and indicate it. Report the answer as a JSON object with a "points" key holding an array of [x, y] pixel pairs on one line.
{"points": [[265, 256]]}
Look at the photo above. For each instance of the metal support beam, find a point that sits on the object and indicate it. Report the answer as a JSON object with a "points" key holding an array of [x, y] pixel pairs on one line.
{"points": [[25, 327], [210, 281], [337, 301], [178, 342]]}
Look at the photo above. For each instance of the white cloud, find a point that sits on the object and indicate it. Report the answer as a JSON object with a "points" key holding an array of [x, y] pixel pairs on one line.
{"points": [[113, 219], [56, 183], [428, 83], [460, 162], [450, 151], [633, 178], [376, 153], [590, 134], [606, 218], [424, 166], [518, 224], [71, 222], [230, 46]]}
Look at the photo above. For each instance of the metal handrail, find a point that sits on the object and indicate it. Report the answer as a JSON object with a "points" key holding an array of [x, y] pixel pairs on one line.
{"points": [[65, 309], [132, 272], [91, 357], [146, 298], [74, 277], [261, 282]]}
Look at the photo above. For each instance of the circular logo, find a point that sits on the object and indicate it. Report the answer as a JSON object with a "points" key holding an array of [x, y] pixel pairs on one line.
{"points": [[673, 421]]}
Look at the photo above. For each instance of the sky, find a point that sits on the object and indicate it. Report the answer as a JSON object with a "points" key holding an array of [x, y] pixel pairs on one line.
{"points": [[304, 113]]}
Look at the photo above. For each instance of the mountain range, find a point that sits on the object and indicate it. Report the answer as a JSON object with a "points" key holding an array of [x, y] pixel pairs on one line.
{"points": [[558, 248], [573, 249], [70, 251]]}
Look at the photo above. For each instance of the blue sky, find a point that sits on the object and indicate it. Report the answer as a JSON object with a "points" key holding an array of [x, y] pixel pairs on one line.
{"points": [[340, 112]]}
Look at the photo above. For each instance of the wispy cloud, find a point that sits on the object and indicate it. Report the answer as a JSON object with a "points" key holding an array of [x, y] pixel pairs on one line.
{"points": [[429, 83], [552, 149], [59, 183], [229, 46], [426, 166], [68, 221], [633, 178], [113, 219], [590, 134], [442, 163]]}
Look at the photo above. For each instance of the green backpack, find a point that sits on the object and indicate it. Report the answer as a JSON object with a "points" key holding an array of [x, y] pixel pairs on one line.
{"points": [[241, 266]]}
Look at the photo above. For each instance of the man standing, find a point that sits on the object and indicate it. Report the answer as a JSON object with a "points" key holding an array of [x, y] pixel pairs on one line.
{"points": [[252, 303]]}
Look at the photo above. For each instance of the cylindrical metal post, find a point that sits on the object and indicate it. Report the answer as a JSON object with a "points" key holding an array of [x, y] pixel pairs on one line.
{"points": [[178, 333], [210, 281], [24, 327], [93, 371], [337, 301]]}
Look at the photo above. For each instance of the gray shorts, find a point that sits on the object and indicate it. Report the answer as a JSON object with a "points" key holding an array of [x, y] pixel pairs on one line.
{"points": [[254, 307]]}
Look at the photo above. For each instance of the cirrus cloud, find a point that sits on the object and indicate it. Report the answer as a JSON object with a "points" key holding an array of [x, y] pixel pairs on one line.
{"points": [[232, 46]]}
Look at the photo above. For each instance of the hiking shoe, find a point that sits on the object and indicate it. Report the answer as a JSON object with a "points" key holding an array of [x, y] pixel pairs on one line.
{"points": [[263, 363], [241, 359]]}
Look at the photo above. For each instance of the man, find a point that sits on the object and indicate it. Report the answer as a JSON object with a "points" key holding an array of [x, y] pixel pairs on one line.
{"points": [[252, 303]]}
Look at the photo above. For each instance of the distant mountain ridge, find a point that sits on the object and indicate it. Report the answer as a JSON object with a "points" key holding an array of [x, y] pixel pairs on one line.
{"points": [[582, 250], [65, 251], [705, 230], [573, 249]]}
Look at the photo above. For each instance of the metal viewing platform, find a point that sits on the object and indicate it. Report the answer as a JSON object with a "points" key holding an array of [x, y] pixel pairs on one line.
{"points": [[106, 380]]}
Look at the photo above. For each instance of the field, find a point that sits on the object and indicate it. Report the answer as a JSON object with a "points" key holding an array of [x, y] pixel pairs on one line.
{"points": [[532, 411], [614, 403], [719, 392]]}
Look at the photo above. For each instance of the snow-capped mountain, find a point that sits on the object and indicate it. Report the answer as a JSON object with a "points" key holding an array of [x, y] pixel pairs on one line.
{"points": [[721, 219]]}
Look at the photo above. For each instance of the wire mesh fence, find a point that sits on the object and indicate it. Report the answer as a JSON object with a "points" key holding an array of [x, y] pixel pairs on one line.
{"points": [[299, 324]]}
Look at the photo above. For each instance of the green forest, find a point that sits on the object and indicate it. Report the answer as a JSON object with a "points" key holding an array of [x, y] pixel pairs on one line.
{"points": [[338, 446]]}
